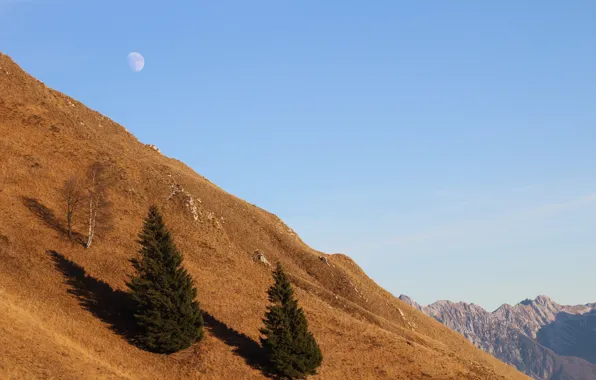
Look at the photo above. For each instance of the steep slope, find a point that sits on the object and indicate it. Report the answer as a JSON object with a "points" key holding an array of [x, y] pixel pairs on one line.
{"points": [[60, 311], [539, 337]]}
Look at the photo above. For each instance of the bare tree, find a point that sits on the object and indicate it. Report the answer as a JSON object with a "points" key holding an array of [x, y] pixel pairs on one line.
{"points": [[72, 195], [100, 216]]}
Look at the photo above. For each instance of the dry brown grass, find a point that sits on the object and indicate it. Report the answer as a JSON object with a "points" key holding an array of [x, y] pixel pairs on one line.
{"points": [[47, 330]]}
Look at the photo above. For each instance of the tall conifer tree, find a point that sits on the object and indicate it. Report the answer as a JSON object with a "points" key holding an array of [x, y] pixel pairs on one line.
{"points": [[290, 347], [168, 317]]}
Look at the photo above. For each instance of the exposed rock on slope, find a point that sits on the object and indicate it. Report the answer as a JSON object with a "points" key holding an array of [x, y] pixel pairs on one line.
{"points": [[536, 336], [59, 302]]}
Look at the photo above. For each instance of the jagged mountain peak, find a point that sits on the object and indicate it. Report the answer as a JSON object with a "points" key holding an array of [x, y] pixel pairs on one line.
{"points": [[539, 300]]}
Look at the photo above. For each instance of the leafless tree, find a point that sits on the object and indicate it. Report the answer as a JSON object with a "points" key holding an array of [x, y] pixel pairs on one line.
{"points": [[99, 180], [72, 195]]}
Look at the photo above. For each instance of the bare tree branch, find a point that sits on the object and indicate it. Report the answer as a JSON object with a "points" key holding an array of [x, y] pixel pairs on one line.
{"points": [[72, 195]]}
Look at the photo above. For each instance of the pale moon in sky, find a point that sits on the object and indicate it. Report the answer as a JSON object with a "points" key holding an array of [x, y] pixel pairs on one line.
{"points": [[136, 62]]}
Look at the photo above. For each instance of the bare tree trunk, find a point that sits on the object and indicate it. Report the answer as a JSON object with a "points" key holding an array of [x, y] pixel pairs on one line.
{"points": [[93, 193], [69, 225], [99, 206], [91, 222]]}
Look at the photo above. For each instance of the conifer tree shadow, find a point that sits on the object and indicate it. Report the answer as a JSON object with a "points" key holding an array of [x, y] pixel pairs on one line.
{"points": [[246, 347], [46, 215], [113, 307]]}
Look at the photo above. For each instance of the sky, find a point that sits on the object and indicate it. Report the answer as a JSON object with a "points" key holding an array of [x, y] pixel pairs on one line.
{"points": [[448, 147]]}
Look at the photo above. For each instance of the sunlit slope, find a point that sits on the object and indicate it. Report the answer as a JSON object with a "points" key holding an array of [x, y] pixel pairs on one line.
{"points": [[59, 301]]}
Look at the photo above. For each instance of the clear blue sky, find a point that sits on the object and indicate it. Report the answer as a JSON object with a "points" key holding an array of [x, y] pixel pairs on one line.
{"points": [[449, 147]]}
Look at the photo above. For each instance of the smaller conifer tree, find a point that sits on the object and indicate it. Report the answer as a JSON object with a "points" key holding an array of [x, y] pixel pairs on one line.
{"points": [[290, 347], [167, 315]]}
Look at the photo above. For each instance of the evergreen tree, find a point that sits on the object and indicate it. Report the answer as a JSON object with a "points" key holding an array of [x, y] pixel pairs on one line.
{"points": [[167, 315], [290, 347]]}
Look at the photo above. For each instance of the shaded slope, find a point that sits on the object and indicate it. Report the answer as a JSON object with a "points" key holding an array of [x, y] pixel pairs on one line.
{"points": [[364, 332], [571, 335]]}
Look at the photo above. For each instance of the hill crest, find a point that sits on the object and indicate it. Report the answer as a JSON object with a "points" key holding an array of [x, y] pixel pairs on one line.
{"points": [[54, 292]]}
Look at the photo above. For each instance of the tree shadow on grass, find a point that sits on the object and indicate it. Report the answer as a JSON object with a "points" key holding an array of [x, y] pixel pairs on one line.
{"points": [[244, 346], [46, 215], [113, 307], [116, 308]]}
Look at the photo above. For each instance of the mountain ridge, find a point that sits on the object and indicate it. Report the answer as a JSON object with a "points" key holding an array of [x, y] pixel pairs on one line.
{"points": [[532, 335]]}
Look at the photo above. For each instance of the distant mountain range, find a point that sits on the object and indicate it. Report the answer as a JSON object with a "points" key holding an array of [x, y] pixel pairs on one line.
{"points": [[541, 338]]}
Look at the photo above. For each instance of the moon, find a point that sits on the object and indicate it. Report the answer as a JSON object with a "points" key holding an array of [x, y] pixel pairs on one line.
{"points": [[136, 62]]}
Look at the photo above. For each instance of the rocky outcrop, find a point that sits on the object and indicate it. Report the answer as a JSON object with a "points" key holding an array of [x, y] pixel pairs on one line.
{"points": [[189, 200], [539, 337], [260, 258], [151, 146]]}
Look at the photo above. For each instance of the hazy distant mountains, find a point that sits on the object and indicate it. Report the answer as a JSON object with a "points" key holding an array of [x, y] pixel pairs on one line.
{"points": [[539, 337]]}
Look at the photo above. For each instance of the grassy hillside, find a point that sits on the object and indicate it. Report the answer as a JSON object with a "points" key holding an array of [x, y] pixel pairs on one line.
{"points": [[59, 302]]}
